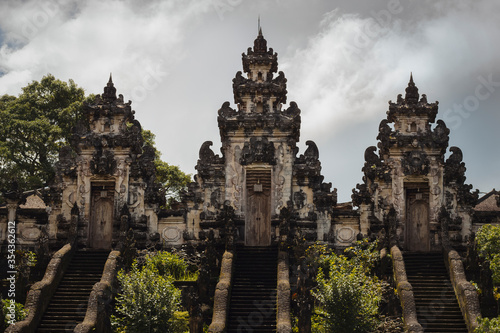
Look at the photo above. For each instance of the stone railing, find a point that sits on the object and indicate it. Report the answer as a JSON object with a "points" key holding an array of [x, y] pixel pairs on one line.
{"points": [[222, 294], [465, 292], [99, 307], [283, 323], [405, 292], [41, 292]]}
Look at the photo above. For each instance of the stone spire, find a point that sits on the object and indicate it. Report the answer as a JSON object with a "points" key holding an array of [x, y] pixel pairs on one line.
{"points": [[260, 58], [259, 96], [259, 92], [260, 44], [412, 106], [109, 94], [412, 95]]}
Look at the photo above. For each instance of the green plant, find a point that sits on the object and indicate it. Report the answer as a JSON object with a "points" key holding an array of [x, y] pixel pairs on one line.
{"points": [[149, 301], [487, 325], [488, 247], [347, 291], [182, 320], [9, 308], [169, 264]]}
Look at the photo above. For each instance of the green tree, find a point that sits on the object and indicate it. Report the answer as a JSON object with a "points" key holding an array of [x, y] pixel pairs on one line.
{"points": [[488, 247], [171, 178], [149, 301], [348, 292], [35, 125]]}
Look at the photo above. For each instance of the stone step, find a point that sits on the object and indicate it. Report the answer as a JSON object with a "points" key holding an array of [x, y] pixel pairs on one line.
{"points": [[253, 295], [435, 300], [68, 305]]}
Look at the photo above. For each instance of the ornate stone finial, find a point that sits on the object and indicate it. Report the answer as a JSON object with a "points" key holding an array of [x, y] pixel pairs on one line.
{"points": [[411, 91], [260, 44], [109, 90]]}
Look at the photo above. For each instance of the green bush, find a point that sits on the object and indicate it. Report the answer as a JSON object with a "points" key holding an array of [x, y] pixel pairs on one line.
{"points": [[487, 325], [348, 293], [19, 312], [149, 301], [488, 247], [167, 264]]}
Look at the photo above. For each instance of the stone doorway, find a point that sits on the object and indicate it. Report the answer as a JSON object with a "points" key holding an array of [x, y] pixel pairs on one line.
{"points": [[258, 211], [417, 218], [101, 216]]}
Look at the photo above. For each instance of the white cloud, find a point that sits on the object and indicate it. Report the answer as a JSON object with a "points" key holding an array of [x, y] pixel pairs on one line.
{"points": [[175, 60], [348, 71], [94, 38]]}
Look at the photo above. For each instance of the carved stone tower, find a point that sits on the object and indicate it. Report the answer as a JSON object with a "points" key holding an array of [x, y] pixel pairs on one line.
{"points": [[107, 173], [409, 174], [259, 173]]}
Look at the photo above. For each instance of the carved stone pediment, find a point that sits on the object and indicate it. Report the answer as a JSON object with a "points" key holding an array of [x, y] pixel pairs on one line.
{"points": [[416, 163], [103, 162], [258, 150]]}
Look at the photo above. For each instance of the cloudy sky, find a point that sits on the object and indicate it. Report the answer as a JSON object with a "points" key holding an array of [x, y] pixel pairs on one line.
{"points": [[344, 60]]}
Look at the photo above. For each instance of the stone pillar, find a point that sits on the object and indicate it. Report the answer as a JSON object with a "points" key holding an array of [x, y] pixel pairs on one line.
{"points": [[11, 217], [12, 210]]}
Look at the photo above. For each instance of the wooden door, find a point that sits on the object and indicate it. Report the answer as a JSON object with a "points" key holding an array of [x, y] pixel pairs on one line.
{"points": [[417, 221], [258, 211], [101, 219]]}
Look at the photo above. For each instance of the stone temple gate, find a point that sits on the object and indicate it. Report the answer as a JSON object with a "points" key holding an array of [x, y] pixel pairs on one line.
{"points": [[251, 203], [259, 173], [107, 175]]}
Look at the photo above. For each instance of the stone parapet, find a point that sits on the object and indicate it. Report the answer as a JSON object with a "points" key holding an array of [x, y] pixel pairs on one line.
{"points": [[465, 292], [100, 307], [41, 292], [283, 322], [222, 295], [405, 292]]}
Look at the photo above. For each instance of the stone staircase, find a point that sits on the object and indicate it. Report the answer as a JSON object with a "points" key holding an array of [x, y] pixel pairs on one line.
{"points": [[68, 305], [437, 306], [253, 295]]}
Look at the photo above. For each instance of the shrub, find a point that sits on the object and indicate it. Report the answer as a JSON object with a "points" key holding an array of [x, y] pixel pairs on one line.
{"points": [[488, 247], [167, 263], [19, 312], [149, 301], [487, 325], [348, 292]]}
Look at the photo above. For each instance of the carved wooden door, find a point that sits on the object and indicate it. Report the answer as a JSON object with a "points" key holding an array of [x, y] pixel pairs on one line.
{"points": [[101, 218], [258, 212], [417, 221]]}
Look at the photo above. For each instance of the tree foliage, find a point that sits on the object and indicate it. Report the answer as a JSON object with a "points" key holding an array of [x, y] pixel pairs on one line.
{"points": [[35, 125], [149, 301], [18, 311], [488, 247], [348, 292], [487, 325], [171, 178]]}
